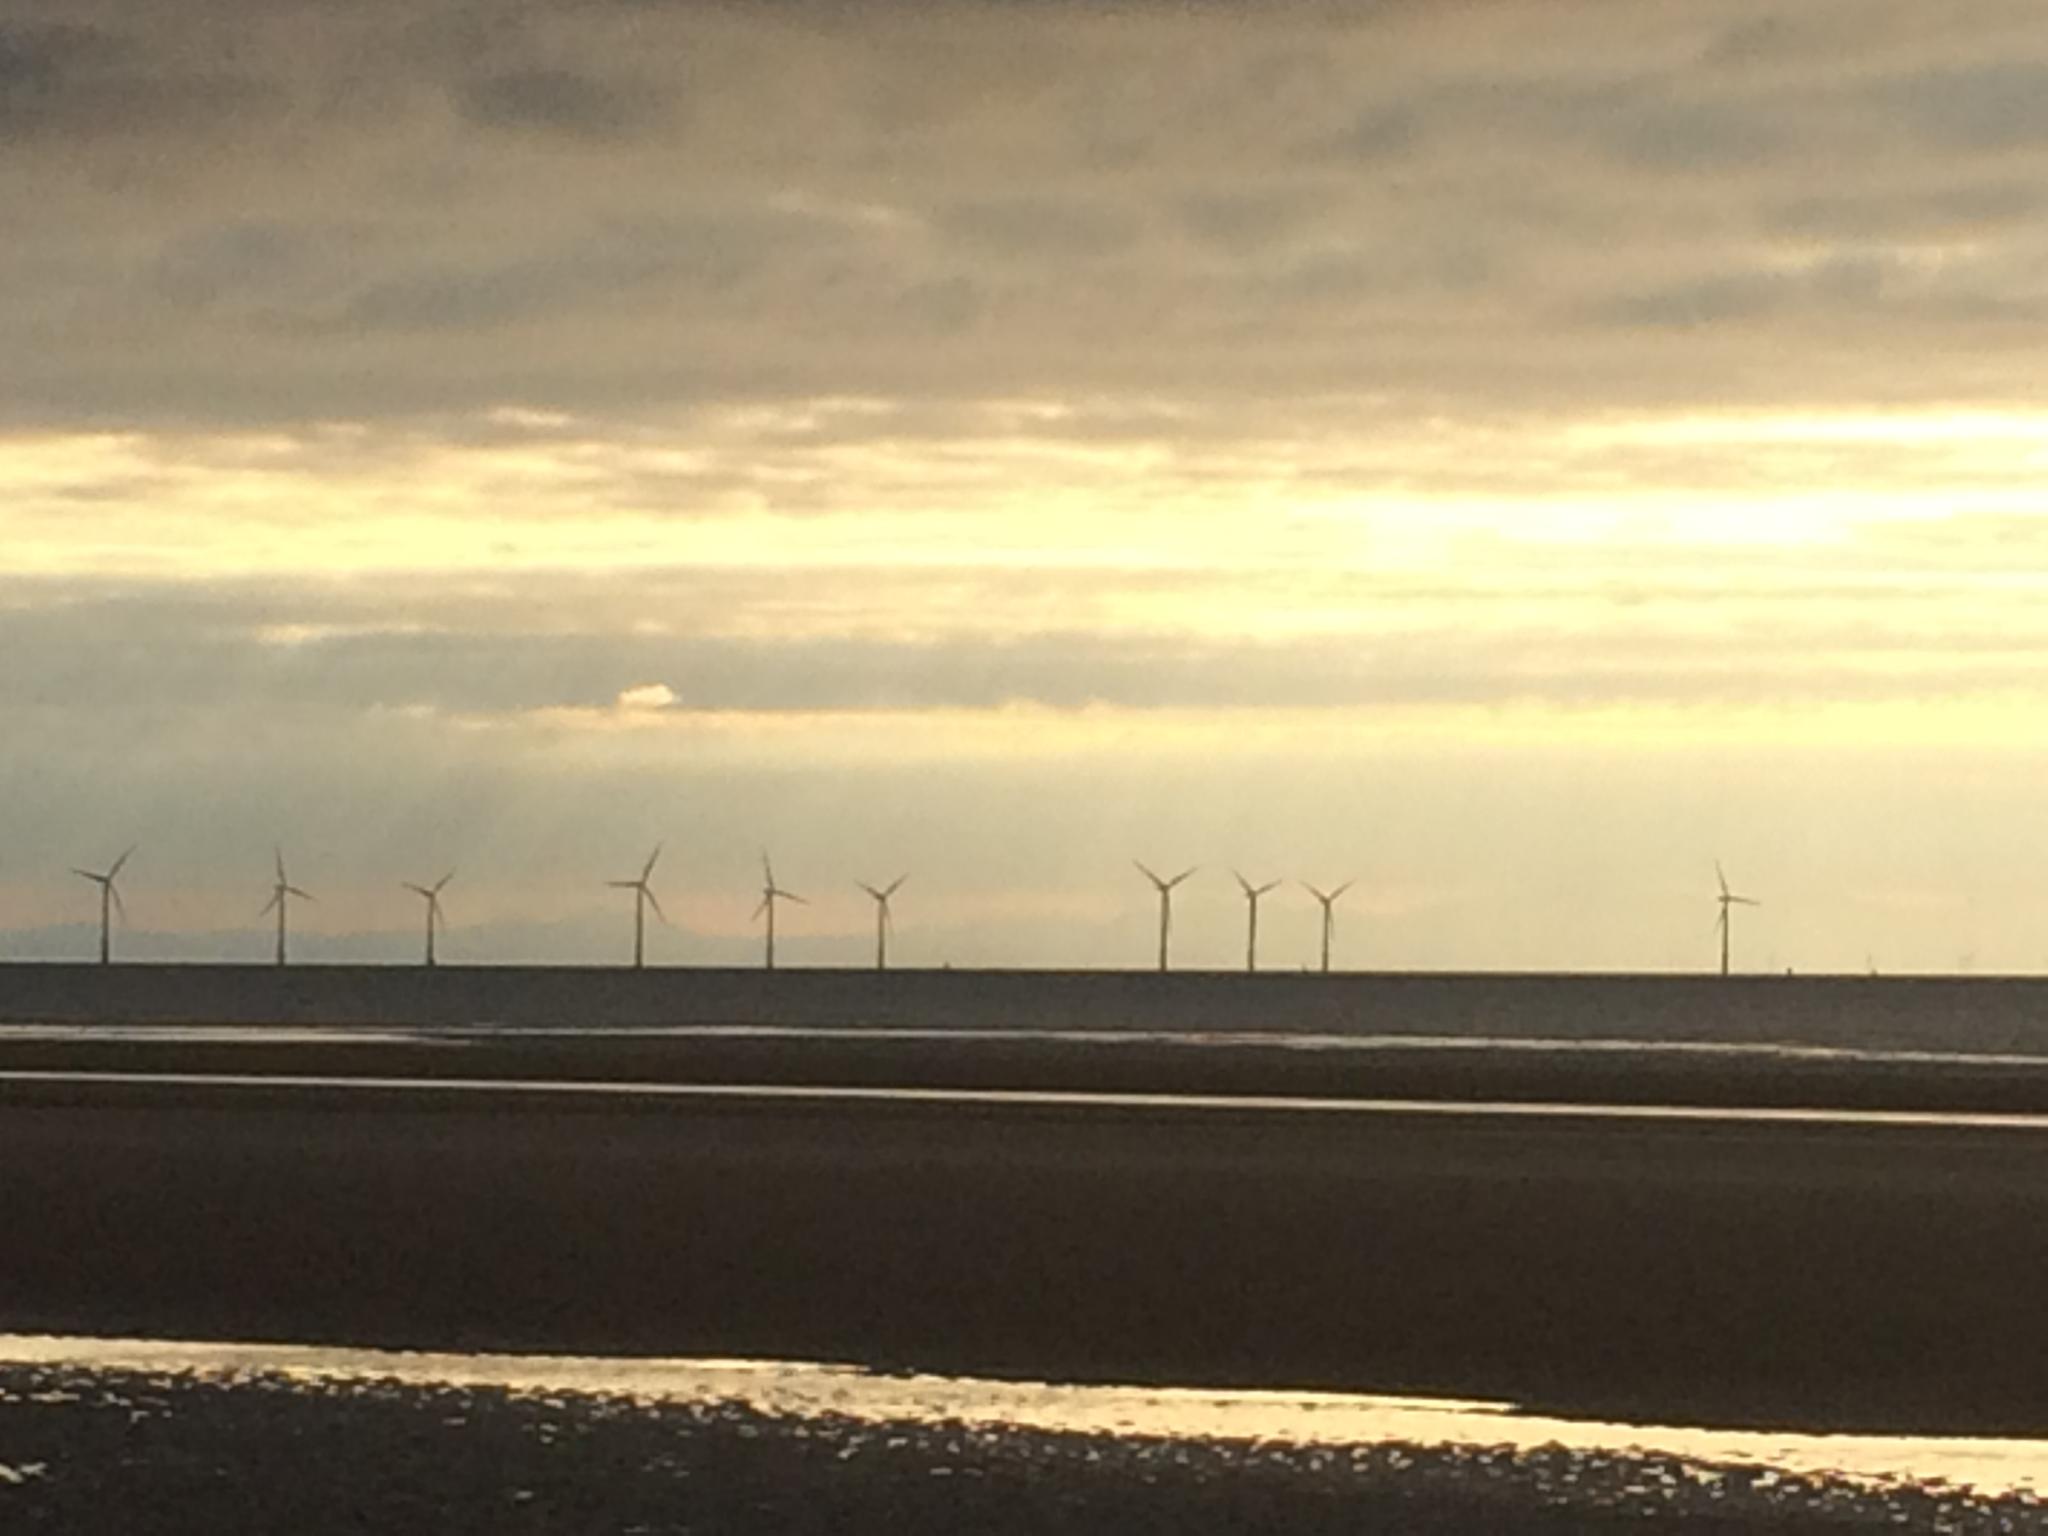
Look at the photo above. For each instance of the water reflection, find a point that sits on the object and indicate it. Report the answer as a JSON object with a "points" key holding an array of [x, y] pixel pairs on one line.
{"points": [[1315, 1424]]}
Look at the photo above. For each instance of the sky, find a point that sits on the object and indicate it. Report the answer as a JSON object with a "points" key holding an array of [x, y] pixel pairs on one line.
{"points": [[1508, 453]]}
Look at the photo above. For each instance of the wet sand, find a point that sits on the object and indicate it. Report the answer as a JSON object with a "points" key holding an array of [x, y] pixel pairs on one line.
{"points": [[1948, 1014], [1254, 1064], [1851, 1275], [177, 1452]]}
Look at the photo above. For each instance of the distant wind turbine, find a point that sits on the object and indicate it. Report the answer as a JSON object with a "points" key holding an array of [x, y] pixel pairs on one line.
{"points": [[110, 902], [1329, 901], [884, 923], [770, 894], [643, 898], [431, 894], [280, 899], [1252, 893], [1727, 899], [1165, 889]]}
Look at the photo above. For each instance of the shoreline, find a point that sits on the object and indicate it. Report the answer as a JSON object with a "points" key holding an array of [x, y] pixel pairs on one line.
{"points": [[2005, 1014], [1997, 1467], [106, 1448]]}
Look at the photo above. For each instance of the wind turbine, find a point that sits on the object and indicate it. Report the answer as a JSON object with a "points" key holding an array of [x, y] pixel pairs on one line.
{"points": [[1727, 899], [643, 898], [1165, 889], [1252, 893], [770, 894], [884, 923], [1329, 901], [280, 898], [432, 895], [110, 902]]}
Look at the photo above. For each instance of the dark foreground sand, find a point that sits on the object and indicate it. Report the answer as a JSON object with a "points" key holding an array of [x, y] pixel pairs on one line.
{"points": [[124, 1452]]}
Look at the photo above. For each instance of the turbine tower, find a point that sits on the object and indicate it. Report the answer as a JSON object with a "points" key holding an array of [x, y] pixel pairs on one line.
{"points": [[770, 894], [1165, 889], [431, 894], [643, 898], [1329, 901], [1727, 899], [280, 899], [1252, 893], [110, 902], [884, 923]]}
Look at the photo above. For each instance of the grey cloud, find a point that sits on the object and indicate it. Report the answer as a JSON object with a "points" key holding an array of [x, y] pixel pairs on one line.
{"points": [[1864, 284], [972, 201], [154, 652], [48, 72], [1906, 212], [84, 81], [239, 261], [555, 100], [1696, 136], [1993, 106]]}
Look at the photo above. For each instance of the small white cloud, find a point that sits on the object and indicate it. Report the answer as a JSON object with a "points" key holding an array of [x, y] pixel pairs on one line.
{"points": [[647, 696]]}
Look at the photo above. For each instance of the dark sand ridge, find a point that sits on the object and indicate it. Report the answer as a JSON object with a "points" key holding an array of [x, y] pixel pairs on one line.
{"points": [[1934, 1014], [1847, 1275]]}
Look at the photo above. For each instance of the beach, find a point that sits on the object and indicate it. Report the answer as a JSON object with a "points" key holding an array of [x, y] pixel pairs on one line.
{"points": [[181, 1450], [1828, 1271]]}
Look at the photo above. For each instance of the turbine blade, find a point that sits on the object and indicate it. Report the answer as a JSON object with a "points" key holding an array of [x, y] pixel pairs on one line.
{"points": [[1176, 880], [417, 890], [759, 910], [648, 868], [893, 886], [442, 884], [1319, 896], [278, 853], [1146, 871], [269, 905], [655, 902], [792, 896], [118, 863], [120, 906], [1342, 889], [623, 885], [1243, 884], [1721, 875], [1270, 885], [293, 890], [870, 890], [86, 874]]}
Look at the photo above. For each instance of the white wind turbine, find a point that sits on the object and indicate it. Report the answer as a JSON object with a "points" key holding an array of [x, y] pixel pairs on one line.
{"points": [[770, 894], [1329, 901], [885, 924], [281, 894], [431, 894], [1727, 899], [110, 901], [643, 898], [1165, 889], [1252, 893]]}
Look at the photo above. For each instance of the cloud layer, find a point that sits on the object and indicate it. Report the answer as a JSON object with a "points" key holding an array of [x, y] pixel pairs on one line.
{"points": [[1498, 449]]}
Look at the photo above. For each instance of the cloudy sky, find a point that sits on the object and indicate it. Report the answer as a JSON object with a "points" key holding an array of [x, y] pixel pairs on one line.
{"points": [[1511, 452]]}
